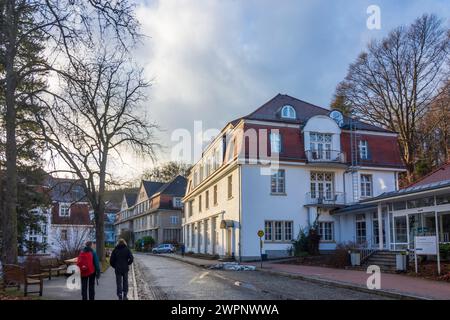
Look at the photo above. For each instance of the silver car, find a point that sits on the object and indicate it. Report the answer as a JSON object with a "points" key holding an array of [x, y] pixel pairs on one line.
{"points": [[164, 248]]}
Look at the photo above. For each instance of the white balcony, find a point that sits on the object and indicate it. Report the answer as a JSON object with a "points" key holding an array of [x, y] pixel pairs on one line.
{"points": [[325, 199], [325, 156]]}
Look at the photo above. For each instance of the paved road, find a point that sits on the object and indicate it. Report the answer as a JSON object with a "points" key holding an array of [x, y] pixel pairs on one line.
{"points": [[166, 278]]}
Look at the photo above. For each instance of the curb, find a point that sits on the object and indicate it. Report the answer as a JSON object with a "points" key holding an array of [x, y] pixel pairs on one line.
{"points": [[134, 291], [345, 285]]}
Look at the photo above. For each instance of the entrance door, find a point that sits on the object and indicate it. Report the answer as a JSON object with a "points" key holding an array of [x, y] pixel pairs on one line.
{"points": [[229, 242], [213, 235], [206, 237], [375, 230]]}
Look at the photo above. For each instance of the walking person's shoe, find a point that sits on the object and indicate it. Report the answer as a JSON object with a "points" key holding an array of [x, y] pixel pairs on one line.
{"points": [[120, 296], [125, 296]]}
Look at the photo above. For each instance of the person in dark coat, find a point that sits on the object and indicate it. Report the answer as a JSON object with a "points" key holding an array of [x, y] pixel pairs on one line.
{"points": [[120, 260], [183, 249]]}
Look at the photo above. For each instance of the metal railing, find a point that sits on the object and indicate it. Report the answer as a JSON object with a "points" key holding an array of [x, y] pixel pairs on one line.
{"points": [[366, 253], [325, 156], [325, 198]]}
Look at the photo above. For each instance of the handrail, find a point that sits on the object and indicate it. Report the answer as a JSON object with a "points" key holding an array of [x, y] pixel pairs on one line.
{"points": [[325, 198], [325, 156]]}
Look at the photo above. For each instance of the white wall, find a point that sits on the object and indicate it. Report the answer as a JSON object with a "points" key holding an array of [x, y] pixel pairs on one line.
{"points": [[259, 205]]}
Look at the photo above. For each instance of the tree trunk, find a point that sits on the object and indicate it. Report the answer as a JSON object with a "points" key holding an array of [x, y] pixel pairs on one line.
{"points": [[9, 221], [100, 214]]}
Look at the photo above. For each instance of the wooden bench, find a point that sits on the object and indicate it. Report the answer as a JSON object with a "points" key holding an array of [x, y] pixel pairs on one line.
{"points": [[50, 265], [14, 275]]}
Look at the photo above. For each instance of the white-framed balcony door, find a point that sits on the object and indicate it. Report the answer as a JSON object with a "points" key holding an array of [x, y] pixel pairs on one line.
{"points": [[322, 185], [375, 231]]}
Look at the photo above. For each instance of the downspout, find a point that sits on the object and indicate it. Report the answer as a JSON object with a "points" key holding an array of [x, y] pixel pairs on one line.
{"points": [[240, 211], [345, 195]]}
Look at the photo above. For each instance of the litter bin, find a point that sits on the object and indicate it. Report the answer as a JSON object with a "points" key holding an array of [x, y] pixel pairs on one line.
{"points": [[355, 258], [400, 262]]}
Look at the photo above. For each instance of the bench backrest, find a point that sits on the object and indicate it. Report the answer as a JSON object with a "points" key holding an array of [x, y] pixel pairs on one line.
{"points": [[50, 262], [13, 273], [32, 266]]}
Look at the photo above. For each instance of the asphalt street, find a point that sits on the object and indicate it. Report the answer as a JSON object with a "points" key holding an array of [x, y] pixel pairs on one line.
{"points": [[165, 278]]}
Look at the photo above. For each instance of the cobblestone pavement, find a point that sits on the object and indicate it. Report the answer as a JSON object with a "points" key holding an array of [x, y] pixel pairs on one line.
{"points": [[164, 278]]}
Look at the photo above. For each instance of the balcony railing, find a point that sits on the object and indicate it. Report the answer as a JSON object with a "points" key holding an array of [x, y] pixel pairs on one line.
{"points": [[333, 156], [325, 198]]}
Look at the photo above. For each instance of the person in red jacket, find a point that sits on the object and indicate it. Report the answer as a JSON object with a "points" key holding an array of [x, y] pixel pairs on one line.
{"points": [[89, 270]]}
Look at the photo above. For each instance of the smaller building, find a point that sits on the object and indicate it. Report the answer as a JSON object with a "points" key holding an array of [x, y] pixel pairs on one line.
{"points": [[421, 209], [154, 210], [67, 223]]}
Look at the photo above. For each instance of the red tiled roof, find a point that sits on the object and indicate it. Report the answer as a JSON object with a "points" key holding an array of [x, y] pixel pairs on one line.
{"points": [[440, 174]]}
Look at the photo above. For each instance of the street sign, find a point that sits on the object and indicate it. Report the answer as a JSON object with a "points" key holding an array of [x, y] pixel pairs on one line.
{"points": [[426, 245], [260, 235]]}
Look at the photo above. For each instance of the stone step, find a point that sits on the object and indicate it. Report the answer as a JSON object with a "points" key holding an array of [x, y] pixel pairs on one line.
{"points": [[383, 258]]}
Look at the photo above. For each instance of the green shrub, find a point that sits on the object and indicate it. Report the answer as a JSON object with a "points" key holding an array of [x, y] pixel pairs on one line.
{"points": [[307, 242], [444, 250]]}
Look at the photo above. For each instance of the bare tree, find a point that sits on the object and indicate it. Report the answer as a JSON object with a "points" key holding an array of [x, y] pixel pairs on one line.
{"points": [[59, 26], [72, 241], [393, 83], [97, 115], [167, 171], [434, 130]]}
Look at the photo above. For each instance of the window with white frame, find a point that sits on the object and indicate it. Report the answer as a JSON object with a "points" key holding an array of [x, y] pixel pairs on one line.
{"points": [[63, 235], [177, 202], [366, 185], [277, 184], [361, 230], [275, 142], [288, 230], [215, 195], [174, 219], [207, 199], [230, 187], [200, 203], [326, 231], [288, 112], [322, 185], [278, 231], [363, 150], [320, 145], [64, 209], [268, 230], [191, 208]]}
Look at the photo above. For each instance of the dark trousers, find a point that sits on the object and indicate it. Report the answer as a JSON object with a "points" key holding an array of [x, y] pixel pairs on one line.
{"points": [[85, 283], [122, 283]]}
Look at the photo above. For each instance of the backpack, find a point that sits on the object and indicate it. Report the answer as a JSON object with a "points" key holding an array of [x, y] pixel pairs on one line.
{"points": [[86, 263]]}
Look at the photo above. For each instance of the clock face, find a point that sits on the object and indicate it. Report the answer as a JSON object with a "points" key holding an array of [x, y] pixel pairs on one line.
{"points": [[338, 117]]}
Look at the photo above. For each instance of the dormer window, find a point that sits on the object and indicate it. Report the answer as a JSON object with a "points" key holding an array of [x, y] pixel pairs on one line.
{"points": [[288, 112]]}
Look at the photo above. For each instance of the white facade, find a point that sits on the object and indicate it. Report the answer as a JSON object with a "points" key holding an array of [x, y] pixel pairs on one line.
{"points": [[230, 227]]}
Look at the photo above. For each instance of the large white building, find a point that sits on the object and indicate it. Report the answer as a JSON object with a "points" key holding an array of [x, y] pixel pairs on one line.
{"points": [[282, 168]]}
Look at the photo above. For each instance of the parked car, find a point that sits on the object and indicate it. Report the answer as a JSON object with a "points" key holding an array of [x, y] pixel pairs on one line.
{"points": [[164, 248]]}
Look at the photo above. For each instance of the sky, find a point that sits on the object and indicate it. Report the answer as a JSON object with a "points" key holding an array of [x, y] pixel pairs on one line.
{"points": [[217, 60]]}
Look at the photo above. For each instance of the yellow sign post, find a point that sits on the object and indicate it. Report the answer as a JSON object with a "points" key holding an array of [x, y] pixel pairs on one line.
{"points": [[260, 235]]}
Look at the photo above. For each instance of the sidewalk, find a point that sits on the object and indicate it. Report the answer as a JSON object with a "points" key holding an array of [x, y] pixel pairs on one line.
{"points": [[400, 286], [390, 283], [56, 288]]}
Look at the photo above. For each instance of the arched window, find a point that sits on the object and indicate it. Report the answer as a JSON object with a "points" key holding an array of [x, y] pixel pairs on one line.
{"points": [[288, 112]]}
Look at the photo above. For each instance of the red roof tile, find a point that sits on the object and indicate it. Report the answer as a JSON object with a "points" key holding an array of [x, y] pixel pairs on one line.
{"points": [[440, 174]]}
